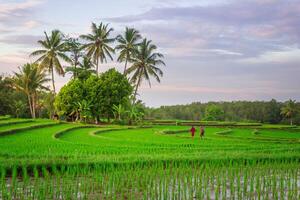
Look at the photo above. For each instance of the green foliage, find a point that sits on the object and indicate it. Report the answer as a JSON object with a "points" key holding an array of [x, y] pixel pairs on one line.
{"points": [[95, 97], [145, 62], [74, 47], [9, 97], [98, 44], [111, 88], [214, 113], [84, 109], [18, 107], [272, 112], [68, 96], [118, 111], [52, 53], [30, 80], [289, 110], [83, 70], [235, 111], [127, 45]]}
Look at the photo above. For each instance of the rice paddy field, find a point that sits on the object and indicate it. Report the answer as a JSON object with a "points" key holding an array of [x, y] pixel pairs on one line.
{"points": [[44, 159]]}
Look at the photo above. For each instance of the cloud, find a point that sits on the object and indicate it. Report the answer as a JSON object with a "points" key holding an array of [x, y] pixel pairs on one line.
{"points": [[248, 12], [23, 40], [31, 24], [10, 62], [17, 13], [16, 9], [237, 28], [287, 55]]}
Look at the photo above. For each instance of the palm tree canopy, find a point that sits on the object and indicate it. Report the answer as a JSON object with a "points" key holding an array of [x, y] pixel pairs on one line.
{"points": [[83, 70], [53, 51], [98, 43], [30, 79], [127, 44], [145, 61], [73, 46], [289, 109]]}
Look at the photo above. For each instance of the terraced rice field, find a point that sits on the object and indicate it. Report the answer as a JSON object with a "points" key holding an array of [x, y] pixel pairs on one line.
{"points": [[43, 159]]}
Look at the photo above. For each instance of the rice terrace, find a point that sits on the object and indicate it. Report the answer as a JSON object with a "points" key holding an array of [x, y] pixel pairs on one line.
{"points": [[152, 100], [45, 159]]}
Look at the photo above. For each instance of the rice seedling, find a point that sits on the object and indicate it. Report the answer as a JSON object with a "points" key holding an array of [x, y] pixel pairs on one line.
{"points": [[113, 162]]}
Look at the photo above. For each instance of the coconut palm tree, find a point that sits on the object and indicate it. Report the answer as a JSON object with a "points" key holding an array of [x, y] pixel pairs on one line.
{"points": [[29, 80], [98, 44], [289, 110], [144, 64], [127, 45], [52, 53], [83, 69], [74, 47]]}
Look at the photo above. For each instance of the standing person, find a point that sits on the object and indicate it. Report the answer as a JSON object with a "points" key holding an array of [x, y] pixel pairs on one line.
{"points": [[193, 131], [202, 131]]}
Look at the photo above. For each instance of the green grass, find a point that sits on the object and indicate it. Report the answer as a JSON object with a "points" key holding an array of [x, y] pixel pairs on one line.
{"points": [[11, 122], [120, 162], [4, 117]]}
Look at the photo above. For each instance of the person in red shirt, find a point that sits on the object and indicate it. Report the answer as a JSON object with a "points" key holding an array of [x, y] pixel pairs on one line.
{"points": [[193, 131]]}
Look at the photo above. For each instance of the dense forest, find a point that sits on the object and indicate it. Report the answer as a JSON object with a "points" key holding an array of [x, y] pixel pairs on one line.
{"points": [[241, 111]]}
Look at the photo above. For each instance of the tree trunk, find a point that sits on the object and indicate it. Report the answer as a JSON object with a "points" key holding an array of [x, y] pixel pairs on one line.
{"points": [[97, 119], [53, 85], [75, 65], [97, 66], [125, 67], [108, 118], [30, 105], [33, 106], [291, 121], [136, 88]]}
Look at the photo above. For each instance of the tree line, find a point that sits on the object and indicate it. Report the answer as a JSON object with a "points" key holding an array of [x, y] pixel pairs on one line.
{"points": [[273, 112], [25, 93]]}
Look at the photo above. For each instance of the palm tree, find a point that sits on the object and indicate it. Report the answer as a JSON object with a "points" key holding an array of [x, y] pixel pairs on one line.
{"points": [[289, 110], [83, 70], [127, 45], [29, 80], [98, 44], [53, 50], [74, 47], [145, 60]]}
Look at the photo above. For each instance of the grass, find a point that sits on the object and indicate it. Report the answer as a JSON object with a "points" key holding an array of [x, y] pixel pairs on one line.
{"points": [[159, 162], [12, 121]]}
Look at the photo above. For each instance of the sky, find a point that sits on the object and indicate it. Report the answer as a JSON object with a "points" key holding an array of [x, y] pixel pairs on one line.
{"points": [[215, 50]]}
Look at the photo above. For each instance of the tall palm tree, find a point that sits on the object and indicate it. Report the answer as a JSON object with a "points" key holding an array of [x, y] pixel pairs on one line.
{"points": [[289, 110], [83, 69], [29, 80], [53, 51], [98, 44], [127, 45], [145, 61]]}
